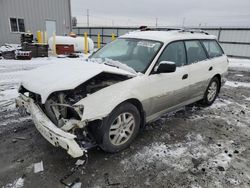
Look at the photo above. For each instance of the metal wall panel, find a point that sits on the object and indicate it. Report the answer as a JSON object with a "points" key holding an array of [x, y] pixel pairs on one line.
{"points": [[96, 31], [213, 32], [107, 40], [34, 13], [109, 31], [75, 30], [94, 39], [123, 31], [82, 31], [235, 36], [237, 50]]}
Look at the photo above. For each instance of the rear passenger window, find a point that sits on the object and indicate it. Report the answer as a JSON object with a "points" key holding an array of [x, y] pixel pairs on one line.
{"points": [[174, 52], [195, 51], [213, 48]]}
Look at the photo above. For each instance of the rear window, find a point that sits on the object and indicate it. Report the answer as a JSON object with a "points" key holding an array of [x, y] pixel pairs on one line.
{"points": [[195, 51], [213, 48]]}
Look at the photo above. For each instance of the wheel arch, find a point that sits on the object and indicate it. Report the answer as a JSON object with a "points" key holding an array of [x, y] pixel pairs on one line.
{"points": [[139, 106], [219, 78]]}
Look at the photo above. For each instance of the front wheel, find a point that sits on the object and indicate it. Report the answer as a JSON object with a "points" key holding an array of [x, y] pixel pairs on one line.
{"points": [[211, 92], [120, 128]]}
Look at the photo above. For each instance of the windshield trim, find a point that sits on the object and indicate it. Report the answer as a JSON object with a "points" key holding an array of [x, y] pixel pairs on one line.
{"points": [[151, 60]]}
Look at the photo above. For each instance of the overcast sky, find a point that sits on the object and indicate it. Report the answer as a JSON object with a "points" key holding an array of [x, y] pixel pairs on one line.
{"points": [[168, 12]]}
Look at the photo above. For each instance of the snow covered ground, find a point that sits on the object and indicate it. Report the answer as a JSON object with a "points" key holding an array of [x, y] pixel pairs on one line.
{"points": [[11, 72], [239, 64]]}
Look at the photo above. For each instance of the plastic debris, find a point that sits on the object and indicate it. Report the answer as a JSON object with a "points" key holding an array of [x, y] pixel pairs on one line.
{"points": [[38, 167], [18, 183], [77, 185], [20, 138], [79, 162]]}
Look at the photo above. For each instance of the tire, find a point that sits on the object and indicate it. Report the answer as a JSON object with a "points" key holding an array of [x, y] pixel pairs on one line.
{"points": [[211, 92], [120, 128]]}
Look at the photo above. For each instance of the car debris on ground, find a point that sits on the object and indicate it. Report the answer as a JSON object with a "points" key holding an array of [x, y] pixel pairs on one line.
{"points": [[38, 167]]}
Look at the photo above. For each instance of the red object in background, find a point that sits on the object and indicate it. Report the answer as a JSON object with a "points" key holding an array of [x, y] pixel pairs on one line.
{"points": [[64, 49]]}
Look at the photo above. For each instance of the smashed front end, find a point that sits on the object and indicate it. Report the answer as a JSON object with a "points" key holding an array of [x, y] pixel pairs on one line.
{"points": [[59, 119]]}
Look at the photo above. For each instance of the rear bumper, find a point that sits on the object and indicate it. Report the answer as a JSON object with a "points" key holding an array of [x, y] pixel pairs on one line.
{"points": [[50, 132]]}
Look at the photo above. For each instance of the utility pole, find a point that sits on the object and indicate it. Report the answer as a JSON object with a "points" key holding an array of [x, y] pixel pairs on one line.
{"points": [[183, 22], [156, 22], [88, 17]]}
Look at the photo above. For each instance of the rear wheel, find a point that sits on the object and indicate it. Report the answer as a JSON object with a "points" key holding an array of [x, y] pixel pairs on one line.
{"points": [[120, 128], [211, 92]]}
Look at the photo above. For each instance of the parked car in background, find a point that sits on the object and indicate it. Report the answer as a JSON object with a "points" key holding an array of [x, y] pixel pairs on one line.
{"points": [[124, 85]]}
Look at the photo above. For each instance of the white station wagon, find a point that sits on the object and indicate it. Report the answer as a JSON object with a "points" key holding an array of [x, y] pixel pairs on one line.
{"points": [[126, 84]]}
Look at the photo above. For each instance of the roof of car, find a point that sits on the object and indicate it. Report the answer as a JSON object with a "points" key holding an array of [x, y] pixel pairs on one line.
{"points": [[167, 36]]}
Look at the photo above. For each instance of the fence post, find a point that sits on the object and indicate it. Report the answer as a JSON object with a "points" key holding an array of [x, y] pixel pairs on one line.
{"points": [[42, 38], [219, 34], [45, 37], [98, 41], [39, 37], [86, 43], [54, 43], [113, 36]]}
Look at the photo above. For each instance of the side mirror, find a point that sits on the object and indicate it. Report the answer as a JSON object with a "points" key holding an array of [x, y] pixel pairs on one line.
{"points": [[166, 67]]}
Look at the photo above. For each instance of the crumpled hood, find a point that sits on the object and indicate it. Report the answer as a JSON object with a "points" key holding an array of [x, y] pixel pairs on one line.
{"points": [[64, 76]]}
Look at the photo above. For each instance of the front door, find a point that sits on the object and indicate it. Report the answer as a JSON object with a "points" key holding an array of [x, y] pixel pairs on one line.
{"points": [[169, 89]]}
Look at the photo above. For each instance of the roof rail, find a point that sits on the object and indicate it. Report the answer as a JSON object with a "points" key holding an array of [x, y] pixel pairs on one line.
{"points": [[146, 28], [194, 31]]}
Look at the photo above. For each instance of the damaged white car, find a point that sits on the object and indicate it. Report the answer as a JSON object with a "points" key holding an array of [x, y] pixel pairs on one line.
{"points": [[126, 84]]}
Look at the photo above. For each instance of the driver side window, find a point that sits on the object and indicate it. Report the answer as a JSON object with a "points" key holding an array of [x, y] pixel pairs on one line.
{"points": [[174, 52]]}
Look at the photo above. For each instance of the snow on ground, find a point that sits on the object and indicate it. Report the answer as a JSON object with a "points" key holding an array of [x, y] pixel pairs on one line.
{"points": [[239, 64], [237, 84], [197, 152], [181, 156], [18, 183], [9, 47], [220, 103], [11, 72]]}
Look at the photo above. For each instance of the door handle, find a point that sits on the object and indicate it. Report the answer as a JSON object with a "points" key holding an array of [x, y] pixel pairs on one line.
{"points": [[185, 76], [210, 68]]}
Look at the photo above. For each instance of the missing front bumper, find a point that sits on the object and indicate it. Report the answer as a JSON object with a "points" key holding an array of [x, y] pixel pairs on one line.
{"points": [[50, 132]]}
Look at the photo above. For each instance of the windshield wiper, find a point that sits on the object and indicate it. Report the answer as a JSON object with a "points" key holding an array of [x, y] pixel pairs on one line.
{"points": [[111, 65]]}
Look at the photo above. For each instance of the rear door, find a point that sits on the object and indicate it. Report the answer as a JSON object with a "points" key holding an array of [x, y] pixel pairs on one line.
{"points": [[217, 57], [199, 67]]}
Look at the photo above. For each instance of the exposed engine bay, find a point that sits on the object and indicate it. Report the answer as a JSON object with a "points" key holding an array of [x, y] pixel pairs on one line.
{"points": [[61, 109]]}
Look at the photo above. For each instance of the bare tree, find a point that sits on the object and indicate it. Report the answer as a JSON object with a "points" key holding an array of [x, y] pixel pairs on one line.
{"points": [[74, 22]]}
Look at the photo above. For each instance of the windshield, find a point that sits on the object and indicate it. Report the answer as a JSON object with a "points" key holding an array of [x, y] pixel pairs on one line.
{"points": [[135, 53]]}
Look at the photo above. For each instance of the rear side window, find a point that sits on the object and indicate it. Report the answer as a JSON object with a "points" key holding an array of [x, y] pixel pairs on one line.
{"points": [[213, 48], [195, 51], [174, 52]]}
